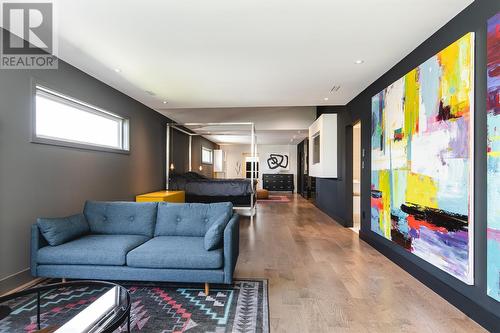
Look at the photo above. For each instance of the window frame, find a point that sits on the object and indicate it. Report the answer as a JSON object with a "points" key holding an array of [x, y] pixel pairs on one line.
{"points": [[211, 155], [248, 171], [62, 97]]}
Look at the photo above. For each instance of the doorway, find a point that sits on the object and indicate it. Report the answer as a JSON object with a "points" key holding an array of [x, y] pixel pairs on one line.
{"points": [[356, 176]]}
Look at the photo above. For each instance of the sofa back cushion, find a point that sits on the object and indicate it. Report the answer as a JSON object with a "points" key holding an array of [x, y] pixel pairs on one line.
{"points": [[190, 219], [121, 218], [60, 230]]}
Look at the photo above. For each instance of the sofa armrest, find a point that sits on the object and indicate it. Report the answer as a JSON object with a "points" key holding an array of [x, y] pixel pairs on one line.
{"points": [[231, 247], [37, 242]]}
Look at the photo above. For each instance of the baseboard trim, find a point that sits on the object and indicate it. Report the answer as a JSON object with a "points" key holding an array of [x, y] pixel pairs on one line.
{"points": [[470, 308], [30, 284], [15, 281]]}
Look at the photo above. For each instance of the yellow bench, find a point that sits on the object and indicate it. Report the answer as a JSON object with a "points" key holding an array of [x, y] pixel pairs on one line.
{"points": [[161, 196]]}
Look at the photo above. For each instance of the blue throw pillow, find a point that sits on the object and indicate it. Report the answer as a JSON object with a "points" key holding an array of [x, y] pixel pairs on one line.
{"points": [[58, 231], [214, 234]]}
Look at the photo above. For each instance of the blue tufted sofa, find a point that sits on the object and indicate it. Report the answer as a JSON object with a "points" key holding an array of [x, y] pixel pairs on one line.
{"points": [[139, 241]]}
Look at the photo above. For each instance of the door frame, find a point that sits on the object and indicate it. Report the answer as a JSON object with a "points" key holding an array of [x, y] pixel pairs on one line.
{"points": [[361, 167], [349, 145]]}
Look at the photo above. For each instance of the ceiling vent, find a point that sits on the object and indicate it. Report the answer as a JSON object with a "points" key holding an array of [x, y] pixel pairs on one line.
{"points": [[334, 89], [149, 92]]}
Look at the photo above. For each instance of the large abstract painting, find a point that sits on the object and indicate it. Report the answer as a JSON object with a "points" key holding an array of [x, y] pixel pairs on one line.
{"points": [[421, 140], [493, 107]]}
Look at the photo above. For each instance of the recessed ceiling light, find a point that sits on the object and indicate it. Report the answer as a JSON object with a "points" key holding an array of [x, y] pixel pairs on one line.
{"points": [[326, 98], [118, 70], [165, 102], [359, 62]]}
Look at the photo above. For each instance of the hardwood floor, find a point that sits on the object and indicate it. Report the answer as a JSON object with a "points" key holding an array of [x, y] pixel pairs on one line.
{"points": [[322, 278]]}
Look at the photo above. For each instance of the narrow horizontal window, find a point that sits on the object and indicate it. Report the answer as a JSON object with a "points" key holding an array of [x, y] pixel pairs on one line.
{"points": [[62, 120]]}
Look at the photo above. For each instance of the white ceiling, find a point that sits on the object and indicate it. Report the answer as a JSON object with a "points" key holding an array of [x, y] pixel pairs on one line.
{"points": [[244, 53], [244, 60]]}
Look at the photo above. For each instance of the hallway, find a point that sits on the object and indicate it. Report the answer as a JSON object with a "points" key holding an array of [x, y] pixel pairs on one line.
{"points": [[322, 278]]}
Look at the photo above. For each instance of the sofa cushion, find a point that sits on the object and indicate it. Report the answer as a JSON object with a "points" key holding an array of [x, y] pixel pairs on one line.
{"points": [[175, 252], [61, 230], [190, 219], [91, 250], [213, 236], [121, 218]]}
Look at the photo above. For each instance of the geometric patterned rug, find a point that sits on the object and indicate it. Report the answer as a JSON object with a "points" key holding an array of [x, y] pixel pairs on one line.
{"points": [[160, 307]]}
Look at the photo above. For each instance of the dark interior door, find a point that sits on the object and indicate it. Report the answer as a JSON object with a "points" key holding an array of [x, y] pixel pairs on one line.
{"points": [[300, 167]]}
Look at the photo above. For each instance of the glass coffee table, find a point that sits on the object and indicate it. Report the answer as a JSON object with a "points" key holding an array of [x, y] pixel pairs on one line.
{"points": [[68, 307]]}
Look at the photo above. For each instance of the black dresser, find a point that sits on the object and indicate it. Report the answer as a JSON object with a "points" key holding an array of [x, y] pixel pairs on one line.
{"points": [[277, 182]]}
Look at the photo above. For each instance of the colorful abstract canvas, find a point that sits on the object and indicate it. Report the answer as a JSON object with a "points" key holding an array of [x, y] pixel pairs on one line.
{"points": [[421, 186], [493, 109]]}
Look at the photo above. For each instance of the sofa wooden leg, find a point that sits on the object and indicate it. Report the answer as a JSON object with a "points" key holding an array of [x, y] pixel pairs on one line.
{"points": [[207, 288]]}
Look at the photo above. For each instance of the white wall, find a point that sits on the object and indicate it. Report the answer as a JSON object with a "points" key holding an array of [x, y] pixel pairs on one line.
{"points": [[264, 150], [236, 154]]}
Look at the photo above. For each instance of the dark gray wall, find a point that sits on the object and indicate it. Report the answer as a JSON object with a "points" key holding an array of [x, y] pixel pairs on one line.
{"points": [[43, 180], [179, 153], [470, 299], [328, 188], [197, 143], [300, 167]]}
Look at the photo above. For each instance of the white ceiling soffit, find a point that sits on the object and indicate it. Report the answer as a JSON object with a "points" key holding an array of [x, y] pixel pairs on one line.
{"points": [[291, 137], [226, 53], [272, 118], [273, 125]]}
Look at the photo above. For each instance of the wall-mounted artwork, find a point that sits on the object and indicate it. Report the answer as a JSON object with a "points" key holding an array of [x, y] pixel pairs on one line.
{"points": [[422, 132], [493, 109], [237, 169], [278, 161]]}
